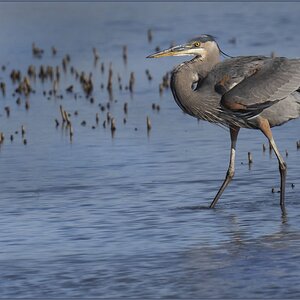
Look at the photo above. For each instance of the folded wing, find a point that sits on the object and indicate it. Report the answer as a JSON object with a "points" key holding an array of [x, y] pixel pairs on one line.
{"points": [[271, 82]]}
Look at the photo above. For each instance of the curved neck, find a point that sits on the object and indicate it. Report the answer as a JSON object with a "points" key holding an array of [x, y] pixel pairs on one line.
{"points": [[185, 76]]}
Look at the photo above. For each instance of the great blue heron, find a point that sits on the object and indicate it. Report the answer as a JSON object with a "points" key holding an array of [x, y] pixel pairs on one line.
{"points": [[255, 92]]}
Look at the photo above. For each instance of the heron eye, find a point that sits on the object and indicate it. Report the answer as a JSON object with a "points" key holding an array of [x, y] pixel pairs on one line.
{"points": [[197, 44]]}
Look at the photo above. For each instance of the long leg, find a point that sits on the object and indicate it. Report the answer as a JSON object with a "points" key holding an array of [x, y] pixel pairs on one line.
{"points": [[265, 128], [230, 172]]}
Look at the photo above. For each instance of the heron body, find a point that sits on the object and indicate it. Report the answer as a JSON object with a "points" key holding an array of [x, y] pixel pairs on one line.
{"points": [[222, 94], [255, 92]]}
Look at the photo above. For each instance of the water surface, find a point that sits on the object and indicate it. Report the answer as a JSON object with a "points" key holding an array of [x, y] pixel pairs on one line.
{"points": [[126, 216]]}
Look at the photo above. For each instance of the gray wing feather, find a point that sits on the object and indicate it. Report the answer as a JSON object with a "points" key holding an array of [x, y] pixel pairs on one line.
{"points": [[273, 81]]}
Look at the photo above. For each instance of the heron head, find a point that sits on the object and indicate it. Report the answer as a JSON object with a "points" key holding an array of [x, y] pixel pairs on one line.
{"points": [[201, 46]]}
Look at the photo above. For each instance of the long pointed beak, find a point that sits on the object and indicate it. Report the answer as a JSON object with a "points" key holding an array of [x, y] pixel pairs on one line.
{"points": [[173, 51]]}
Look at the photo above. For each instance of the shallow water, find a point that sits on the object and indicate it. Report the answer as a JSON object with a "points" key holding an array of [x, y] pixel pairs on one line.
{"points": [[126, 216]]}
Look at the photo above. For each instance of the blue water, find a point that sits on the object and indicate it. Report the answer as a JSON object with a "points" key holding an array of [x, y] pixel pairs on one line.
{"points": [[126, 216]]}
